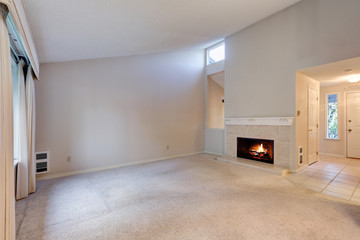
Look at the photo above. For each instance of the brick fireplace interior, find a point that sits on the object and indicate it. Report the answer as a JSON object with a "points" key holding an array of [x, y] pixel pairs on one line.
{"points": [[256, 149]]}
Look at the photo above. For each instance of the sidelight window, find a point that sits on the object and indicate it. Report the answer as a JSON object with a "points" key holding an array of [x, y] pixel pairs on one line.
{"points": [[332, 129]]}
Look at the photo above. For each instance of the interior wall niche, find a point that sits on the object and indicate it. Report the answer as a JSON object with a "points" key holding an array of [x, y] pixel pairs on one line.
{"points": [[215, 100]]}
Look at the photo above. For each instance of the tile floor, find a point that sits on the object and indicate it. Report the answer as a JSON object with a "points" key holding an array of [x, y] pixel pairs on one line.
{"points": [[338, 177]]}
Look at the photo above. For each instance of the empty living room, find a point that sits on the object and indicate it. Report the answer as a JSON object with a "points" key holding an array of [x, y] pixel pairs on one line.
{"points": [[164, 119]]}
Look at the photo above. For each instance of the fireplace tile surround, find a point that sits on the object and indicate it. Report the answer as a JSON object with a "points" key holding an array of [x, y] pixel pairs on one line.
{"points": [[277, 129]]}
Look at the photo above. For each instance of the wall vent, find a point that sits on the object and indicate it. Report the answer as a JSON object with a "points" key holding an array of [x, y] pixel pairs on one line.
{"points": [[300, 155], [42, 162]]}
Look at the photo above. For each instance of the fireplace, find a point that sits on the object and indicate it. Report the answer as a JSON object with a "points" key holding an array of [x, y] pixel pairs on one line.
{"points": [[256, 149]]}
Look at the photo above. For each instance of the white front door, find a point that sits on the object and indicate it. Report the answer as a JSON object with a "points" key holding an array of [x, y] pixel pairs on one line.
{"points": [[313, 125], [353, 124]]}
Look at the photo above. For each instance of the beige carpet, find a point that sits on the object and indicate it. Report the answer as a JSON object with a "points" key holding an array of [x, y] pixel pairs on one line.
{"points": [[187, 198]]}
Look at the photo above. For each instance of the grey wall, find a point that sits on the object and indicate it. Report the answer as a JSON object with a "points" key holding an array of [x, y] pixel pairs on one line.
{"points": [[120, 110], [261, 60]]}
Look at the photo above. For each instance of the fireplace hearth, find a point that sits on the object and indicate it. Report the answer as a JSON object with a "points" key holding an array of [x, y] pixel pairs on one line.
{"points": [[256, 149]]}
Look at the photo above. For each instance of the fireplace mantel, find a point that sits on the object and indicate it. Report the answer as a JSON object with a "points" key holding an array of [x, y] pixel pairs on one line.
{"points": [[273, 121]]}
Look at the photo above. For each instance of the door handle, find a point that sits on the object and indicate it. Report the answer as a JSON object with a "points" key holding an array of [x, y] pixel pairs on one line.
{"points": [[350, 130]]}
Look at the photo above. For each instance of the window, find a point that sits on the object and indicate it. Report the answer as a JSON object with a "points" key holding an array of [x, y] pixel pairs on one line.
{"points": [[332, 131], [216, 53]]}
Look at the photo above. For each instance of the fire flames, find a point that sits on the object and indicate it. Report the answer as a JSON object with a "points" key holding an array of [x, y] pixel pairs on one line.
{"points": [[261, 149], [256, 149]]}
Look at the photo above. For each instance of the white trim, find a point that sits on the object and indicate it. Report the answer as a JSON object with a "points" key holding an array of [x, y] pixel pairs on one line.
{"points": [[300, 168], [215, 68], [215, 129], [205, 92], [332, 155], [213, 153], [273, 121], [345, 123], [332, 139], [64, 174]]}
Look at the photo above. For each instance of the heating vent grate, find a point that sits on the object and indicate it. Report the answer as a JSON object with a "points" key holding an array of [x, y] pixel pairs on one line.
{"points": [[42, 162]]}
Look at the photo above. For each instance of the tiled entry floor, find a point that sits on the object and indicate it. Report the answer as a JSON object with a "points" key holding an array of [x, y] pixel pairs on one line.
{"points": [[338, 177]]}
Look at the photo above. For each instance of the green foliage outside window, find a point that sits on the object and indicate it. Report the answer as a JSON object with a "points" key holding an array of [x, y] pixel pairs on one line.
{"points": [[332, 117]]}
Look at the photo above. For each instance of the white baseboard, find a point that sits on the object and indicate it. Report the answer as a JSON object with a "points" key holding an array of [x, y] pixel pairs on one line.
{"points": [[332, 155], [64, 174], [300, 168], [213, 153]]}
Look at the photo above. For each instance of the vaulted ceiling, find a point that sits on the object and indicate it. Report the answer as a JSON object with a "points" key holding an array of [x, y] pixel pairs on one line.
{"points": [[66, 30]]}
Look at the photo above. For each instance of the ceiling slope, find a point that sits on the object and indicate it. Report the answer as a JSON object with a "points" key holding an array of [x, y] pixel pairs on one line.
{"points": [[84, 29]]}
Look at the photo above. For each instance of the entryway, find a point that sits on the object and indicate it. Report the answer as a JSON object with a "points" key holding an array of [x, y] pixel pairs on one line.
{"points": [[328, 129], [337, 177], [332, 116]]}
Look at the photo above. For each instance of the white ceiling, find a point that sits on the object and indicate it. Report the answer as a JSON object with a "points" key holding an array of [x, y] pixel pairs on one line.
{"points": [[66, 30], [334, 73]]}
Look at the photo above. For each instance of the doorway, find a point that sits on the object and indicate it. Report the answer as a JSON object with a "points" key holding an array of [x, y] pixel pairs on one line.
{"points": [[339, 109], [328, 129], [353, 124]]}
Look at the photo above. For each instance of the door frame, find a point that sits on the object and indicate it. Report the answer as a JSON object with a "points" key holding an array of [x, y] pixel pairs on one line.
{"points": [[345, 120]]}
